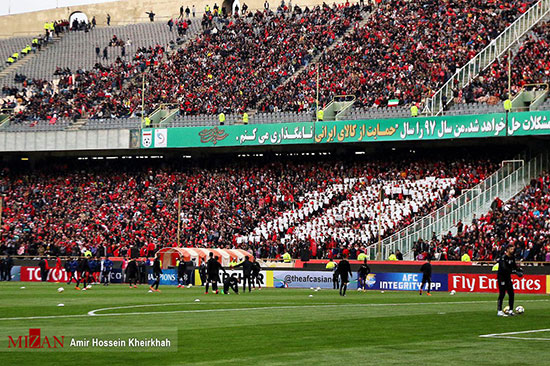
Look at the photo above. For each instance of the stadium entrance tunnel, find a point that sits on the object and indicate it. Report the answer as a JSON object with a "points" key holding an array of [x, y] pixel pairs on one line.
{"points": [[230, 5], [79, 16]]}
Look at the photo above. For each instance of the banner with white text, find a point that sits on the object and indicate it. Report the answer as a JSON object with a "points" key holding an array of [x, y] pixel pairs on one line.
{"points": [[399, 129]]}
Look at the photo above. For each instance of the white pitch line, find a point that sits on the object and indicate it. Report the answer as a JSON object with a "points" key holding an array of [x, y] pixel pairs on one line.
{"points": [[94, 312], [506, 335], [45, 317], [521, 338]]}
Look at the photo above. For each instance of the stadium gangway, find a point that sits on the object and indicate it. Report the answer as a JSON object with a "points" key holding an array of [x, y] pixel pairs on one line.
{"points": [[505, 183], [5, 117], [530, 97], [338, 109], [466, 74], [163, 114]]}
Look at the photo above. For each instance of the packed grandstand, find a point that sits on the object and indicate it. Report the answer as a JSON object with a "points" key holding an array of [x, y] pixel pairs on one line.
{"points": [[388, 54], [266, 208], [318, 208], [276, 64]]}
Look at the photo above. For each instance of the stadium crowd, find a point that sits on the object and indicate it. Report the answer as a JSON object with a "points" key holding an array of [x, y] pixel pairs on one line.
{"points": [[126, 208], [523, 221], [227, 68], [236, 62], [242, 62], [530, 65], [96, 93], [404, 52]]}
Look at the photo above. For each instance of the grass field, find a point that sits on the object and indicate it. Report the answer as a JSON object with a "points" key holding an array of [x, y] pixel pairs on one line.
{"points": [[274, 327]]}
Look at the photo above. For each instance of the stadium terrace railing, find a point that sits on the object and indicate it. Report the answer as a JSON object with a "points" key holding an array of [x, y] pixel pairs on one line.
{"points": [[437, 103], [504, 183], [5, 116]]}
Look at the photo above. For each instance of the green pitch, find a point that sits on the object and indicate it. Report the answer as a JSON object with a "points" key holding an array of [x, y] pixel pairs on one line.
{"points": [[273, 327]]}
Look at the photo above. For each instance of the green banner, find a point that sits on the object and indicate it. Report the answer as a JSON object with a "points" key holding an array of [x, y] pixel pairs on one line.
{"points": [[401, 129]]}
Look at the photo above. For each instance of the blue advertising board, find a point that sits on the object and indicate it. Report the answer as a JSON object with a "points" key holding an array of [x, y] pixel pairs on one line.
{"points": [[15, 273], [170, 277], [405, 281], [375, 281], [116, 275], [302, 279]]}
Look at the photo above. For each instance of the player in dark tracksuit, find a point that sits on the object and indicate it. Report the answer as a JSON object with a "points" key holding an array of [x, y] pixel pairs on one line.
{"points": [[67, 267], [157, 271], [93, 268], [256, 269], [202, 273], [43, 264], [343, 269], [362, 274], [335, 279], [426, 270], [213, 268], [506, 266], [132, 273], [230, 283], [107, 269], [73, 269], [182, 270], [142, 273], [84, 273], [247, 273], [8, 265]]}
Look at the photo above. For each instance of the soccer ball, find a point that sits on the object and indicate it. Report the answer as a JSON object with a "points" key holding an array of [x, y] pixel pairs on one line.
{"points": [[60, 290], [452, 292], [89, 287], [506, 310], [520, 309]]}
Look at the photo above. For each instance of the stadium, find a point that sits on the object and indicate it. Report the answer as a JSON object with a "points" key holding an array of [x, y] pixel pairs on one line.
{"points": [[274, 183]]}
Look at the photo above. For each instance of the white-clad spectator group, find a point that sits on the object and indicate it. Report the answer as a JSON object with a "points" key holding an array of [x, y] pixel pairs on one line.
{"points": [[400, 199]]}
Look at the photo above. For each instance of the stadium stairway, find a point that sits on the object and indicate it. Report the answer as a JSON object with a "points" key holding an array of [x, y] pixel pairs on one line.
{"points": [[26, 59], [454, 109], [318, 56], [191, 35], [499, 46]]}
